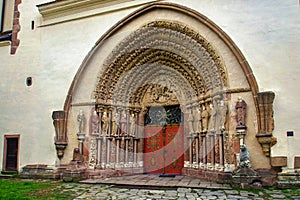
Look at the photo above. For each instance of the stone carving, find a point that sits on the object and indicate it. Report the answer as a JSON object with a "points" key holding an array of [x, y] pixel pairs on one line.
{"points": [[241, 113], [198, 121], [178, 67], [266, 121], [81, 122], [115, 124], [105, 123], [93, 152], [244, 161], [123, 124], [205, 118], [266, 141], [95, 122], [161, 43], [223, 111], [60, 133], [132, 125], [213, 115], [159, 95], [77, 157], [191, 122], [244, 175]]}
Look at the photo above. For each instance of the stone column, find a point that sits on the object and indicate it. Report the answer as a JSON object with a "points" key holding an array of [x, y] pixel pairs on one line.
{"points": [[196, 161], [204, 150], [99, 141], [221, 152], [81, 129], [211, 149]]}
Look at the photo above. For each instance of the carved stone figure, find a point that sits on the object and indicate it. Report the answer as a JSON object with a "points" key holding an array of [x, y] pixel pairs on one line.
{"points": [[244, 157], [198, 121], [123, 124], [190, 122], [213, 116], [132, 125], [95, 122], [241, 113], [160, 94], [81, 122], [205, 117], [105, 122], [76, 155], [115, 124], [223, 111]]}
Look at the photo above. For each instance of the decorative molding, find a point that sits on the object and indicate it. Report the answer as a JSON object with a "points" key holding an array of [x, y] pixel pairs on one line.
{"points": [[69, 10], [153, 54], [176, 8]]}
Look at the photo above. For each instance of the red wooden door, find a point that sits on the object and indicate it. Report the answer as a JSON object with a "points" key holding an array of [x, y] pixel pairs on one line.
{"points": [[163, 151]]}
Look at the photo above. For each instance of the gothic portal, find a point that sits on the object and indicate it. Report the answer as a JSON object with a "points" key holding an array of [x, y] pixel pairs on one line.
{"points": [[159, 95]]}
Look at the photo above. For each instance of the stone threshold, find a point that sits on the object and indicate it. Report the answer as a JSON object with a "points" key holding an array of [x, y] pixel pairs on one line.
{"points": [[154, 181]]}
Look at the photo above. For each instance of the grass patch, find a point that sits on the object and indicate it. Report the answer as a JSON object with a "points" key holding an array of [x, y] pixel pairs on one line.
{"points": [[32, 190]]}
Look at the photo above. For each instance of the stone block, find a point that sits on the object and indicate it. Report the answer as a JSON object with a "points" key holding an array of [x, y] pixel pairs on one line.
{"points": [[297, 162], [279, 161]]}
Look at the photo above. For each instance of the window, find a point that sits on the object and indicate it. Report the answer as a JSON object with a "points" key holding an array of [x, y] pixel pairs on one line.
{"points": [[6, 15]]}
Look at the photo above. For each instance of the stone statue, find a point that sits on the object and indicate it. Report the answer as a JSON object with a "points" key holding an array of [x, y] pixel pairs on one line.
{"points": [[95, 122], [105, 122], [190, 123], [76, 156], [244, 157], [204, 117], [241, 113], [223, 111], [81, 122], [132, 125], [115, 124], [198, 121], [123, 124], [213, 116]]}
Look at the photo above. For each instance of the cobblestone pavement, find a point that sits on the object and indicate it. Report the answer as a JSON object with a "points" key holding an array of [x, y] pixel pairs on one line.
{"points": [[99, 191], [149, 187]]}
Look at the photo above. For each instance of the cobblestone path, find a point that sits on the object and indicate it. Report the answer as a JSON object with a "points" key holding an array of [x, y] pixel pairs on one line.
{"points": [[99, 191]]}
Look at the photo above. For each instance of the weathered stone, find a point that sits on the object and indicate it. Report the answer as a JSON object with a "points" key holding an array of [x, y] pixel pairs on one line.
{"points": [[297, 162], [279, 161]]}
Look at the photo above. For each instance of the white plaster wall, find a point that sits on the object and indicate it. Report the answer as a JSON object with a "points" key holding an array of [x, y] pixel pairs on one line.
{"points": [[267, 32], [21, 106]]}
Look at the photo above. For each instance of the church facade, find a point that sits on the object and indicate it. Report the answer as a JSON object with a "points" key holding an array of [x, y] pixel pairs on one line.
{"points": [[160, 87]]}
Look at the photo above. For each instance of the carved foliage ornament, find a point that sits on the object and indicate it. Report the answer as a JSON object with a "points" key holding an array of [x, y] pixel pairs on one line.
{"points": [[168, 43]]}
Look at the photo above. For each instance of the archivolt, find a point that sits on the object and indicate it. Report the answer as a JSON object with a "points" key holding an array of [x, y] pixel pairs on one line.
{"points": [[169, 44]]}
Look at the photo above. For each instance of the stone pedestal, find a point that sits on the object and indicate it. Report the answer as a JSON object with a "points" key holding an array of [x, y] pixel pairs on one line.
{"points": [[246, 178]]}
